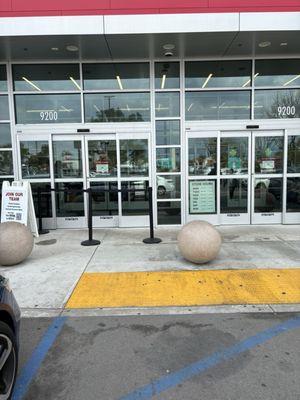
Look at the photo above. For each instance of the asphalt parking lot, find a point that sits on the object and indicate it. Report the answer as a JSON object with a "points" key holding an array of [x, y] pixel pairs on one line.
{"points": [[182, 357]]}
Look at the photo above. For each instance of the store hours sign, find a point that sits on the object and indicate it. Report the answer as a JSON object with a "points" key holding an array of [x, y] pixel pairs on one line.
{"points": [[202, 197]]}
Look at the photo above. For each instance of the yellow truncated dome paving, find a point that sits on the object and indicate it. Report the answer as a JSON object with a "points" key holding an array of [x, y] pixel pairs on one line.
{"points": [[186, 288]]}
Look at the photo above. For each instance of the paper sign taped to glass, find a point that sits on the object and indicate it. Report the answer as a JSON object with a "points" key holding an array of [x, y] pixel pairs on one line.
{"points": [[202, 197]]}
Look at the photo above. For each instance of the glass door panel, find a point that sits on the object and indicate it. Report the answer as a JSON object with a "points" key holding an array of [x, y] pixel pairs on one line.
{"points": [[267, 179]]}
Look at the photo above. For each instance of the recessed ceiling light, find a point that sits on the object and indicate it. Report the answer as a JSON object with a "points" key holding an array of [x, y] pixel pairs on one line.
{"points": [[283, 44], [264, 44], [169, 46], [54, 48], [72, 47]]}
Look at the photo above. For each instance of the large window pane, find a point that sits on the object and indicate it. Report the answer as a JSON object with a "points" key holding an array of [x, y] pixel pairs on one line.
{"points": [[46, 199], [43, 77], [136, 201], [104, 202], [269, 154], [116, 76], [293, 161], [167, 133], [47, 108], [117, 107], [203, 156], [3, 78], [277, 73], [293, 195], [217, 74], [102, 158], [35, 159], [168, 159], [234, 155], [268, 195], [234, 196], [167, 104], [202, 196], [167, 75], [6, 163], [134, 157], [5, 136], [67, 159], [169, 213], [69, 199], [277, 103], [4, 111], [168, 186], [217, 105]]}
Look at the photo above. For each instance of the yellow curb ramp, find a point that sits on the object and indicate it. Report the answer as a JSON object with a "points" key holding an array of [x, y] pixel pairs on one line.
{"points": [[186, 288]]}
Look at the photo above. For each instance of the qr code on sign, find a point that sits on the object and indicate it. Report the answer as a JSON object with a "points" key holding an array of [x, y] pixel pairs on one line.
{"points": [[18, 216]]}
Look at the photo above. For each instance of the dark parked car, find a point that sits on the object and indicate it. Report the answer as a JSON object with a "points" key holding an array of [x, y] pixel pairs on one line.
{"points": [[9, 339]]}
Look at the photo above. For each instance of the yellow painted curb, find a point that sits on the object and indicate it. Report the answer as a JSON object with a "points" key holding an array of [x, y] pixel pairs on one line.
{"points": [[186, 288]]}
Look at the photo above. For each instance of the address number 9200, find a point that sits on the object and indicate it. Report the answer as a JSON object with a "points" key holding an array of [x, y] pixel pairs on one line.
{"points": [[48, 115], [286, 111]]}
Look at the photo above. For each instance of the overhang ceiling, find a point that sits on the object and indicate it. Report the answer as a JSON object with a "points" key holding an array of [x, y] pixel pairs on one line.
{"points": [[144, 46]]}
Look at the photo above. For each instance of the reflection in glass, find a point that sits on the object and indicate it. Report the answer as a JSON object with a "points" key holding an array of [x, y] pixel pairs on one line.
{"points": [[134, 157], [169, 213], [202, 196], [104, 203], [167, 75], [35, 159], [293, 195], [70, 203], [117, 107], [217, 105], [203, 156], [46, 201], [167, 104], [67, 159], [136, 202], [116, 76], [102, 158], [3, 79], [217, 74], [47, 108], [234, 155], [167, 132], [6, 163], [293, 158], [234, 196], [45, 77], [268, 154], [277, 103], [268, 195], [277, 72], [5, 137], [168, 186], [4, 111], [168, 159]]}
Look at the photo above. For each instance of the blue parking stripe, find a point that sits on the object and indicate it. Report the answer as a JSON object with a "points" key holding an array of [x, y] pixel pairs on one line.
{"points": [[166, 382], [33, 364]]}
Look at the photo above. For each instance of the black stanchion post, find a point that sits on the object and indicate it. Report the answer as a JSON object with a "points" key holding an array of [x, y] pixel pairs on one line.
{"points": [[151, 239], [40, 220], [90, 241]]}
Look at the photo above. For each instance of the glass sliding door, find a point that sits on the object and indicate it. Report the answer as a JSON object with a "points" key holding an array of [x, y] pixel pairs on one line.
{"points": [[267, 177]]}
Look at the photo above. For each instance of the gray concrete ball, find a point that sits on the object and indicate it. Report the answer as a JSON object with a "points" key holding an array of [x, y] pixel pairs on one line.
{"points": [[199, 242], [16, 243]]}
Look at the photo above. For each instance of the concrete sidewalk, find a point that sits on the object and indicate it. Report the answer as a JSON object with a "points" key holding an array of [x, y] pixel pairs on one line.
{"points": [[48, 277]]}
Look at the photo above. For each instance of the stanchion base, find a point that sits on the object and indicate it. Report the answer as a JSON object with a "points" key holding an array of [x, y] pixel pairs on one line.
{"points": [[92, 242], [152, 240], [43, 232]]}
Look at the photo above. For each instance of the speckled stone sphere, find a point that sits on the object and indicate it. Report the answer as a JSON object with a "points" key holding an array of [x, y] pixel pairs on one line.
{"points": [[16, 243], [199, 242]]}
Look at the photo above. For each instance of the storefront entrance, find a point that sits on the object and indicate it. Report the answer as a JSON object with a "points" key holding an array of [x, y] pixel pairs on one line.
{"points": [[71, 163], [244, 177]]}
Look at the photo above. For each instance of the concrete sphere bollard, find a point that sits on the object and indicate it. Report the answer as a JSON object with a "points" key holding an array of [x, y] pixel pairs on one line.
{"points": [[16, 243], [199, 242]]}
